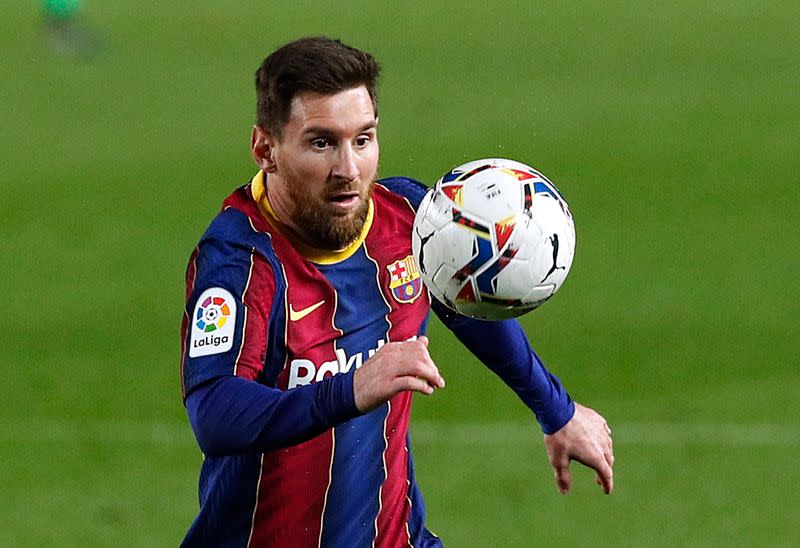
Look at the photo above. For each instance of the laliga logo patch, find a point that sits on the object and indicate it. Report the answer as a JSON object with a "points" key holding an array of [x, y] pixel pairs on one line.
{"points": [[213, 323], [404, 280]]}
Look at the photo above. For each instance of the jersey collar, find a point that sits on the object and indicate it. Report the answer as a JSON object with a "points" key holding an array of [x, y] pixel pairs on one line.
{"points": [[258, 187]]}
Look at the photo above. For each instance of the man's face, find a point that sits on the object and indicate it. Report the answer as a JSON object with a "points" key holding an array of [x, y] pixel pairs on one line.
{"points": [[323, 168]]}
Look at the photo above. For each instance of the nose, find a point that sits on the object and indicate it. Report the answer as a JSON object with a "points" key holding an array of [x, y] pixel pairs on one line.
{"points": [[346, 167]]}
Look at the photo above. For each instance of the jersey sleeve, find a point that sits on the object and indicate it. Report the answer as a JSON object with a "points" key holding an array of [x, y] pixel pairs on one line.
{"points": [[229, 293], [504, 348], [410, 189], [232, 416]]}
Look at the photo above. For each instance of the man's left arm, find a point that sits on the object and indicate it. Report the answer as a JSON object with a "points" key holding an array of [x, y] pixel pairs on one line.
{"points": [[571, 431]]}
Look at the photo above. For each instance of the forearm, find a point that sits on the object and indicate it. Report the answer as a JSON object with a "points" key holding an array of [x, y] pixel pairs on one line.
{"points": [[504, 348], [231, 415]]}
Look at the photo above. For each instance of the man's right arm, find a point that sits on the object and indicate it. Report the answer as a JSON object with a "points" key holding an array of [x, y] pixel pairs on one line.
{"points": [[229, 302], [231, 415]]}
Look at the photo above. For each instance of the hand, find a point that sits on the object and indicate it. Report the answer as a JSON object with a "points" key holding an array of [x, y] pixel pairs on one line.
{"points": [[586, 438], [395, 367]]}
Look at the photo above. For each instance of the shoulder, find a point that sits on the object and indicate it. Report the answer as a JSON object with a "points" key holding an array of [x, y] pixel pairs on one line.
{"points": [[234, 238], [234, 222], [411, 190]]}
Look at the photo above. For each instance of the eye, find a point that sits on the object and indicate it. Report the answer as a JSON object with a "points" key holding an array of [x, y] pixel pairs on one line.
{"points": [[362, 140], [320, 143]]}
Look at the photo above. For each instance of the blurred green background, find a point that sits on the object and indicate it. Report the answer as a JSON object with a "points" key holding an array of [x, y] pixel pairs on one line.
{"points": [[673, 129]]}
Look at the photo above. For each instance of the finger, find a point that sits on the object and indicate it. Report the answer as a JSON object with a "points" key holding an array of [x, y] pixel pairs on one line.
{"points": [[428, 370], [609, 451], [606, 476], [609, 455], [563, 478], [601, 466], [432, 377], [415, 384], [421, 351]]}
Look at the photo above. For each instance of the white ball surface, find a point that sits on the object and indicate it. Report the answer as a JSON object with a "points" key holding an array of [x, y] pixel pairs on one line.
{"points": [[493, 239]]}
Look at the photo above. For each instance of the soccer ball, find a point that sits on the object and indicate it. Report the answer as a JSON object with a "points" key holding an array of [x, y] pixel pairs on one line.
{"points": [[493, 239]]}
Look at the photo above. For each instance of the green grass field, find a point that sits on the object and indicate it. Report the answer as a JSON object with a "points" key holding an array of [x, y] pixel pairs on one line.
{"points": [[673, 130]]}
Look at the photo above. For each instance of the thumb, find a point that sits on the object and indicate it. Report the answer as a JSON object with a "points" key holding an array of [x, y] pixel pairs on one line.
{"points": [[424, 340]]}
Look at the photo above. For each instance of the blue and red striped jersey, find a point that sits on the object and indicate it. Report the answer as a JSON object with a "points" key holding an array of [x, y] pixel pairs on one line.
{"points": [[263, 307], [271, 336]]}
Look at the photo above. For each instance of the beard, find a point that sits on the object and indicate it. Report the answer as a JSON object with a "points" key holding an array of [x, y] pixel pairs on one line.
{"points": [[324, 224]]}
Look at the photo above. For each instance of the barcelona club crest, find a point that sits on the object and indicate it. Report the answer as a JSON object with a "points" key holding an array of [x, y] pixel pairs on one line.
{"points": [[404, 280]]}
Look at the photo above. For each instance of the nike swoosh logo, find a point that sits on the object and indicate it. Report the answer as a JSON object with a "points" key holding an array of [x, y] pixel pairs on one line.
{"points": [[296, 315]]}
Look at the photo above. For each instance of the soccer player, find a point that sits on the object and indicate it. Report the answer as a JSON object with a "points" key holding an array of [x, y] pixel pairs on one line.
{"points": [[303, 336], [64, 31]]}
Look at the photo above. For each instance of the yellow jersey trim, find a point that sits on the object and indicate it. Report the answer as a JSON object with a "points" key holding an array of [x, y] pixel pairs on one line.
{"points": [[258, 188]]}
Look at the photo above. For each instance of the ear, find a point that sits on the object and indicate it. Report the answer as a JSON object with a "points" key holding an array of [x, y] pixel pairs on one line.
{"points": [[262, 149]]}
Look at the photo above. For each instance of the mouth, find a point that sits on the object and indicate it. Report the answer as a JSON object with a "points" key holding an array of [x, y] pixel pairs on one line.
{"points": [[344, 199]]}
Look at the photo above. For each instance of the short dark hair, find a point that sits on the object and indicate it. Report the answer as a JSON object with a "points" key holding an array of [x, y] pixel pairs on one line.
{"points": [[319, 64]]}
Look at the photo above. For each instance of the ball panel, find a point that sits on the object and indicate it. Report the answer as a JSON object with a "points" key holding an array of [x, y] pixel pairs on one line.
{"points": [[492, 195], [446, 287], [494, 239]]}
